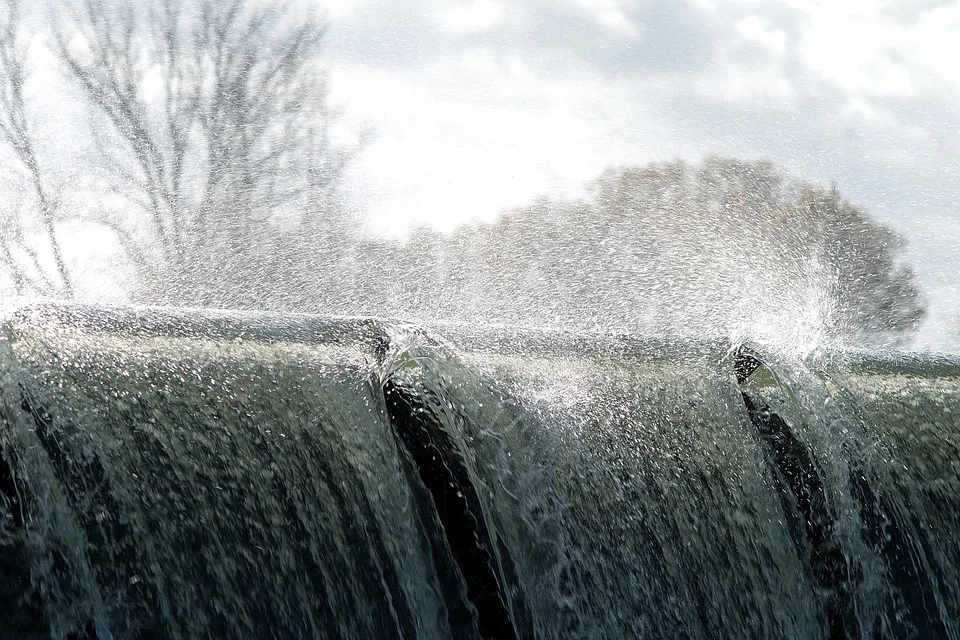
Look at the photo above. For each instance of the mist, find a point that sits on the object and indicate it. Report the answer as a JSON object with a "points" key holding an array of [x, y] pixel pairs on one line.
{"points": [[346, 158]]}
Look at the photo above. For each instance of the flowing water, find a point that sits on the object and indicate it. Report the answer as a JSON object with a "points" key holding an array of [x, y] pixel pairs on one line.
{"points": [[198, 474]]}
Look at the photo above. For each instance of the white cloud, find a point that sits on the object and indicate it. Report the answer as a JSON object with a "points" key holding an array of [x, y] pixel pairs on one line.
{"points": [[934, 42], [476, 16], [856, 53], [755, 29], [443, 161], [749, 67], [861, 112], [611, 14]]}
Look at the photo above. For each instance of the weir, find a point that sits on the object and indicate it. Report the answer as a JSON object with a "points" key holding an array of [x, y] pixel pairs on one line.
{"points": [[190, 474]]}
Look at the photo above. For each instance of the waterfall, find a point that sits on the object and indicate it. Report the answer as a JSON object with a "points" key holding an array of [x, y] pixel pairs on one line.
{"points": [[190, 474]]}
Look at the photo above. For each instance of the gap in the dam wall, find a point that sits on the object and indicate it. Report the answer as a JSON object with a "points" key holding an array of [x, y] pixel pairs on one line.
{"points": [[457, 506], [796, 473], [911, 610], [21, 605]]}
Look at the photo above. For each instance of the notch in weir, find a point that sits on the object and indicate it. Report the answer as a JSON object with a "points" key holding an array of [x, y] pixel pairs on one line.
{"points": [[21, 603], [457, 506], [800, 482]]}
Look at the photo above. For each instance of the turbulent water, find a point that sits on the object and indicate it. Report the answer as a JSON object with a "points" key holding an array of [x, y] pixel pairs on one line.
{"points": [[198, 474]]}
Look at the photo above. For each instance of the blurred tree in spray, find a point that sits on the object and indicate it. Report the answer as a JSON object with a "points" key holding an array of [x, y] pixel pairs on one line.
{"points": [[20, 257], [724, 246], [212, 124]]}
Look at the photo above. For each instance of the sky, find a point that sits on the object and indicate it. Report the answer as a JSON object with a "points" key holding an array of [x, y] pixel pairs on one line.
{"points": [[479, 106]]}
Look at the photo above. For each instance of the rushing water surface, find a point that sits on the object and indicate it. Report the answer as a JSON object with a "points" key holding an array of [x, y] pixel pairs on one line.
{"points": [[178, 474]]}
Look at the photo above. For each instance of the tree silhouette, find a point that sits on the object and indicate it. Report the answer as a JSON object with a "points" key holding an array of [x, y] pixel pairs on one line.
{"points": [[723, 246], [20, 259], [212, 122]]}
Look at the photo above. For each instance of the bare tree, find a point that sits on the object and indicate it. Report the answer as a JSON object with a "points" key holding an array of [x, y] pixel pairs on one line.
{"points": [[27, 273], [215, 131]]}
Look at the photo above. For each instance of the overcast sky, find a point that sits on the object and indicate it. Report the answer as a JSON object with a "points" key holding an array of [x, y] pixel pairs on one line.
{"points": [[478, 106]]}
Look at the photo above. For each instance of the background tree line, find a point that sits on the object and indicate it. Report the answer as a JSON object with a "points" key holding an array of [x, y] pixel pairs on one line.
{"points": [[209, 157], [723, 245]]}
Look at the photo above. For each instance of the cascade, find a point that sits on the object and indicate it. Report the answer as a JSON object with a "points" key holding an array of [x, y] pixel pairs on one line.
{"points": [[191, 474]]}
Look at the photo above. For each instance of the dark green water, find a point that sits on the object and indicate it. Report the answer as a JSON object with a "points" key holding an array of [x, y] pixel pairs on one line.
{"points": [[199, 474]]}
